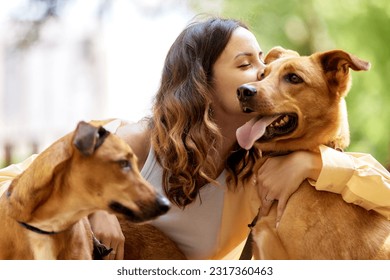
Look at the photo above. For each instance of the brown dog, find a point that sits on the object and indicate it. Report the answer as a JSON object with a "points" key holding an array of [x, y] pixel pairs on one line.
{"points": [[300, 105], [44, 211]]}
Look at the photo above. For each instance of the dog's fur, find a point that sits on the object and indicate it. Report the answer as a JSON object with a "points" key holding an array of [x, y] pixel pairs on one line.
{"points": [[145, 242], [315, 224], [86, 170]]}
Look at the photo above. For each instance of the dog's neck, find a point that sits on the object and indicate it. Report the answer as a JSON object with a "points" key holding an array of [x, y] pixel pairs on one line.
{"points": [[52, 217], [36, 230]]}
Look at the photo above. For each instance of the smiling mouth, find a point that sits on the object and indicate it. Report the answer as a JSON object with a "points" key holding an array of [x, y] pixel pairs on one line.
{"points": [[266, 128], [284, 124]]}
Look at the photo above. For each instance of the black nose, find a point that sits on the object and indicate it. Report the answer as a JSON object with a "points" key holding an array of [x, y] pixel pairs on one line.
{"points": [[163, 203], [246, 91]]}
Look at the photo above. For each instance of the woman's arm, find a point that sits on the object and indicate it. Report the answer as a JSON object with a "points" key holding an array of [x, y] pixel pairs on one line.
{"points": [[279, 177], [359, 178]]}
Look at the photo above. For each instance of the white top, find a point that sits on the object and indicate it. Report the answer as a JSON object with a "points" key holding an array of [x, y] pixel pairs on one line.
{"points": [[195, 229]]}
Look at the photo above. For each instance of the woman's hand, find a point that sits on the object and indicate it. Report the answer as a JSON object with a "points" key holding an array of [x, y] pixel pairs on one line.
{"points": [[108, 231], [279, 177]]}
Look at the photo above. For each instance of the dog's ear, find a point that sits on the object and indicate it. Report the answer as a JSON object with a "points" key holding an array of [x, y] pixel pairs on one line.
{"points": [[279, 52], [88, 138], [33, 187], [336, 64]]}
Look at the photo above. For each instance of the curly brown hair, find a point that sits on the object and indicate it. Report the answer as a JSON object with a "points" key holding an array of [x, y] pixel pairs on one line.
{"points": [[184, 135]]}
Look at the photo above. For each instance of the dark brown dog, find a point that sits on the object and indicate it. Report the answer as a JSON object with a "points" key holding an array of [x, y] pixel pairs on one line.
{"points": [[43, 214], [300, 105]]}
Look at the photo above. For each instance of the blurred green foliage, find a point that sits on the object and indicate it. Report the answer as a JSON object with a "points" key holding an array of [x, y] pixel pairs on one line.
{"points": [[361, 27]]}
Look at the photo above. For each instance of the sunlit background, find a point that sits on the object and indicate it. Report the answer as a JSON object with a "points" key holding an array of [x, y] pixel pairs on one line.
{"points": [[62, 61]]}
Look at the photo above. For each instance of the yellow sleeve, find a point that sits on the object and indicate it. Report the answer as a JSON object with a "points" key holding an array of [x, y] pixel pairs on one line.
{"points": [[7, 174], [358, 177]]}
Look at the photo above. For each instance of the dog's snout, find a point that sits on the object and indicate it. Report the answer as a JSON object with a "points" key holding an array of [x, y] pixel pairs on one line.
{"points": [[246, 91], [163, 203]]}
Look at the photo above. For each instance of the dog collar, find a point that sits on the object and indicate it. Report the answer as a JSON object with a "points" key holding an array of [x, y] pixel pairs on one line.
{"points": [[35, 229]]}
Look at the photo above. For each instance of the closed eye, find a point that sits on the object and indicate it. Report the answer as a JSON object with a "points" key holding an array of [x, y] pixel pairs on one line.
{"points": [[244, 65], [293, 78]]}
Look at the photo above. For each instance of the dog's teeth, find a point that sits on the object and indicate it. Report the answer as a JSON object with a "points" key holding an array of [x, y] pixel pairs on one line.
{"points": [[281, 122]]}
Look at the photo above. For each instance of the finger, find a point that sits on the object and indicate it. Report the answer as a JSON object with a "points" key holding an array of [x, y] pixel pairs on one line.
{"points": [[266, 207], [106, 242], [107, 257], [261, 190], [120, 252], [112, 254], [280, 210], [114, 251], [109, 245]]}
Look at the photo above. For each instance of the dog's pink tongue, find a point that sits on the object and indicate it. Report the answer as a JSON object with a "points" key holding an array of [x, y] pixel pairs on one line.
{"points": [[253, 130]]}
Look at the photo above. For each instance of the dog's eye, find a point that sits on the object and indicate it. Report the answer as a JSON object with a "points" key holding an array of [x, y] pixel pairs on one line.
{"points": [[124, 164], [293, 78]]}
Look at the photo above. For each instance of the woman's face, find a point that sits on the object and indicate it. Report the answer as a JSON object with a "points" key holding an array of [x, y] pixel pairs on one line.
{"points": [[239, 63]]}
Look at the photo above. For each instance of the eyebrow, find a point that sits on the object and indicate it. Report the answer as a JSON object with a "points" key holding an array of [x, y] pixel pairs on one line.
{"points": [[247, 54]]}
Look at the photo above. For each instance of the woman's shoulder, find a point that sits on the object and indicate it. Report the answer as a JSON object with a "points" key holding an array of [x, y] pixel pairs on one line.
{"points": [[136, 134]]}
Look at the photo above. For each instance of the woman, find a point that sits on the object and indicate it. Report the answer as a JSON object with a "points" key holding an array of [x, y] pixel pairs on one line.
{"points": [[184, 147]]}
